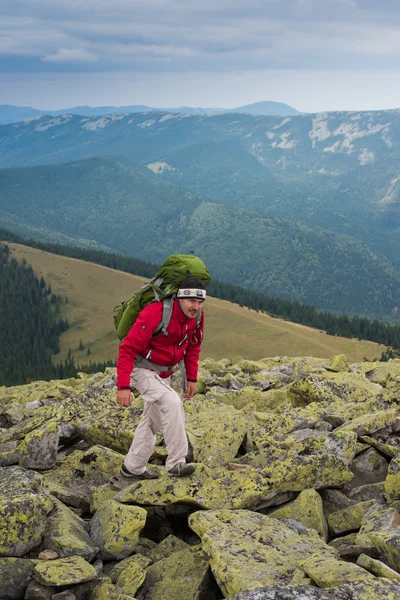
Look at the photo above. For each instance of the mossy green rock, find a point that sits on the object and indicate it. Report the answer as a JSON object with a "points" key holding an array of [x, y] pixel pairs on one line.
{"points": [[137, 559], [377, 567], [104, 590], [168, 546], [66, 534], [184, 574], [115, 528], [327, 571], [308, 509], [216, 435], [377, 519], [23, 510], [339, 363], [249, 550], [85, 469], [130, 579], [15, 574], [392, 482], [39, 448], [388, 545], [348, 519], [64, 571]]}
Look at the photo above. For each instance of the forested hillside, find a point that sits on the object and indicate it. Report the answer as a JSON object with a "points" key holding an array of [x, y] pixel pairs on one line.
{"points": [[131, 211]]}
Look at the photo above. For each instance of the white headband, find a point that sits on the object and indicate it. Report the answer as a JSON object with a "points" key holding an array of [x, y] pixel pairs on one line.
{"points": [[192, 293]]}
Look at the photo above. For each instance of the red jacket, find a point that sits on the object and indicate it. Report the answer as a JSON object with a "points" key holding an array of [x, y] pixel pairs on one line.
{"points": [[184, 341]]}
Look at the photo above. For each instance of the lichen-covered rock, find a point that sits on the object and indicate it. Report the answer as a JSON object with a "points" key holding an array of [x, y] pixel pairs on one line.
{"points": [[115, 528], [250, 550], [23, 510], [168, 546], [39, 448], [369, 491], [349, 518], [64, 571], [368, 467], [184, 574], [42, 416], [308, 509], [104, 590], [37, 591], [130, 578], [372, 422], [392, 481], [377, 519], [216, 435], [388, 545], [15, 574], [85, 469], [66, 534], [138, 559], [113, 429], [291, 592], [377, 567], [388, 449], [9, 454], [69, 495], [339, 363], [327, 571]]}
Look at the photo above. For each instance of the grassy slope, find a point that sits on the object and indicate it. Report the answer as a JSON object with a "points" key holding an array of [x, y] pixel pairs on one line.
{"points": [[93, 291]]}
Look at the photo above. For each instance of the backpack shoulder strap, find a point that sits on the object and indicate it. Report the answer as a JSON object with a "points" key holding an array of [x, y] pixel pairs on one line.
{"points": [[168, 304]]}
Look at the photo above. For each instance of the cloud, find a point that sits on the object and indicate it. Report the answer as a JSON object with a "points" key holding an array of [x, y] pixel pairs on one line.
{"points": [[189, 35], [66, 55]]}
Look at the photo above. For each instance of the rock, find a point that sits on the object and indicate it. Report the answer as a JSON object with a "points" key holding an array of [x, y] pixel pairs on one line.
{"points": [[339, 363], [388, 545], [115, 528], [377, 567], [334, 500], [113, 429], [130, 578], [349, 518], [15, 574], [9, 454], [23, 509], [105, 590], [216, 435], [30, 406], [85, 469], [348, 548], [308, 509], [248, 550], [36, 591], [66, 595], [167, 547], [389, 450], [69, 495], [184, 574], [368, 424], [66, 534], [378, 519], [64, 571], [39, 448], [137, 559], [42, 416], [392, 482], [48, 555], [370, 491], [290, 592], [327, 571], [368, 467]]}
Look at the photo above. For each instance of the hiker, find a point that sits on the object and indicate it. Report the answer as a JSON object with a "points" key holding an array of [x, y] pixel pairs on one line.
{"points": [[146, 363]]}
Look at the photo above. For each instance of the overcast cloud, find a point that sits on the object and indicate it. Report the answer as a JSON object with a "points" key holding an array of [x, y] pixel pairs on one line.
{"points": [[146, 43]]}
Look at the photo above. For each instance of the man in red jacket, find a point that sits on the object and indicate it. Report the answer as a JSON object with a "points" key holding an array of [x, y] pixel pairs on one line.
{"points": [[147, 362]]}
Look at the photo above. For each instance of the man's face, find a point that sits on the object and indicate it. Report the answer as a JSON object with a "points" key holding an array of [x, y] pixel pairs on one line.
{"points": [[191, 307]]}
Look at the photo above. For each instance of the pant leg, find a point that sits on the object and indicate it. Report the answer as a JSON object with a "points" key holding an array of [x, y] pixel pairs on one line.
{"points": [[166, 409]]}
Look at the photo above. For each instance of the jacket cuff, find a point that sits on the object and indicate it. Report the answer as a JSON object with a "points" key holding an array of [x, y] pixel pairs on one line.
{"points": [[124, 387], [192, 380]]}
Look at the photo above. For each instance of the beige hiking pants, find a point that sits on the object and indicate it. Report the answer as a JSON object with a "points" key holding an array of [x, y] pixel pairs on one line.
{"points": [[163, 409]]}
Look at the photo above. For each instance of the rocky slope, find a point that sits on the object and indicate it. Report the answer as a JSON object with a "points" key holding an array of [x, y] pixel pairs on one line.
{"points": [[295, 493]]}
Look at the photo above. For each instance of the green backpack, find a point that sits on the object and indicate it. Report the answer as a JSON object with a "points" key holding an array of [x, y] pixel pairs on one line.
{"points": [[163, 286]]}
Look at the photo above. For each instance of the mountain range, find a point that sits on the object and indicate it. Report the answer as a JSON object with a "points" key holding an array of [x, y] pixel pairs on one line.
{"points": [[14, 114], [304, 207]]}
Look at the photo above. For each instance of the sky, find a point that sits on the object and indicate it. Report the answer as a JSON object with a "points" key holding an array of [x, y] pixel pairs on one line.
{"points": [[314, 55]]}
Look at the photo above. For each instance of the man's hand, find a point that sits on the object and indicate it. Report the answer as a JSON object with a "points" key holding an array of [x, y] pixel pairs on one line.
{"points": [[124, 397], [190, 389]]}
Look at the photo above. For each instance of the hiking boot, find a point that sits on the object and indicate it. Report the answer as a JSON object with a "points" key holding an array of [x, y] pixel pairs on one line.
{"points": [[181, 470], [142, 476]]}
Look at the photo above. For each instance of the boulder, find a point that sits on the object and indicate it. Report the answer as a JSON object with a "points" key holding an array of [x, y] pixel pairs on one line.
{"points": [[377, 567], [39, 448], [15, 574], [378, 518], [308, 509], [36, 591], [66, 534], [115, 529], [248, 550], [23, 510], [168, 546], [64, 571], [348, 519]]}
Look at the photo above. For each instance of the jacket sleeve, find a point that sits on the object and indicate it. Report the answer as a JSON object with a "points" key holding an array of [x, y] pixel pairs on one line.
{"points": [[137, 342], [193, 352]]}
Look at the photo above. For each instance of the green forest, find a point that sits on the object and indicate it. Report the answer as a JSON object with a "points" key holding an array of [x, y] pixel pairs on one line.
{"points": [[30, 327]]}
